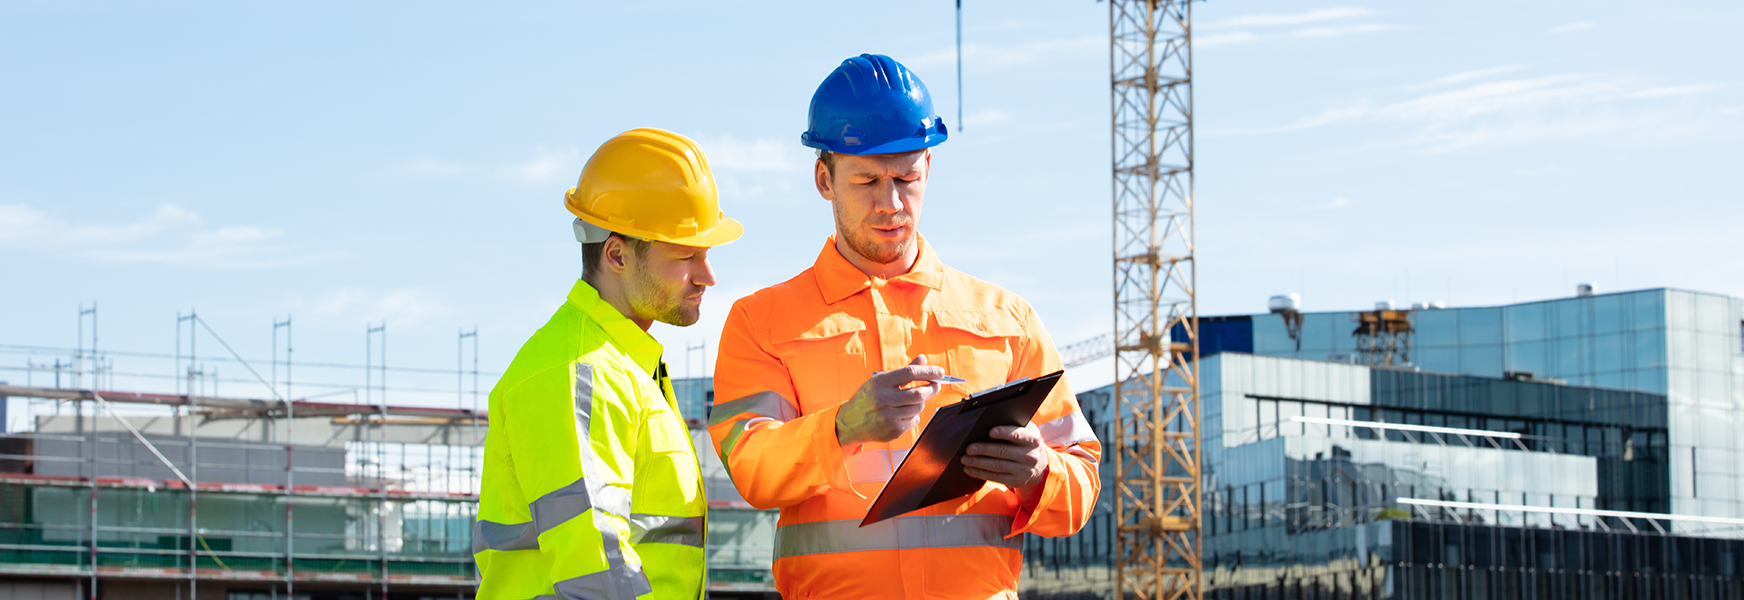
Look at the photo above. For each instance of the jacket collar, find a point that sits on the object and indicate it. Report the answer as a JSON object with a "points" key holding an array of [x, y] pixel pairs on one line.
{"points": [[624, 334], [838, 279]]}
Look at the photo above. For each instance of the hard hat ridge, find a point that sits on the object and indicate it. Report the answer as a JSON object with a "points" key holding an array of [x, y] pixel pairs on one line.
{"points": [[872, 104]]}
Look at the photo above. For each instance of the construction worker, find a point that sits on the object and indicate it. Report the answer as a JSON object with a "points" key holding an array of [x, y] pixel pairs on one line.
{"points": [[591, 485], [820, 380]]}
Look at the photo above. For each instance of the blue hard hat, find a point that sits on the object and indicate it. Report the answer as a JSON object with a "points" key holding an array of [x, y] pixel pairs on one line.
{"points": [[872, 104]]}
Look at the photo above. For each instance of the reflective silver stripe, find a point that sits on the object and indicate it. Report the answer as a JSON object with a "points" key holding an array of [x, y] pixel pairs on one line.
{"points": [[659, 529], [595, 491], [915, 531], [488, 535], [1067, 430], [872, 466], [620, 580], [767, 404], [733, 434]]}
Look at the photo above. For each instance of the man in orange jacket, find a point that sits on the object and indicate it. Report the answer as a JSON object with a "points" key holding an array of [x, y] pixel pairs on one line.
{"points": [[822, 379]]}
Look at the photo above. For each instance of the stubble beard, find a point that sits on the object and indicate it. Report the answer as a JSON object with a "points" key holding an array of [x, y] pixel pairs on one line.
{"points": [[661, 303], [862, 244]]}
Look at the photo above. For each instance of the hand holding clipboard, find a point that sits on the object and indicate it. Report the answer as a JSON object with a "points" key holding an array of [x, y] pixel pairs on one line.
{"points": [[934, 471]]}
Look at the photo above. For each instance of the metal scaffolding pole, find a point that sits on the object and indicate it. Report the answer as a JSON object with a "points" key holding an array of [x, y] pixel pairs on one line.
{"points": [[381, 464], [290, 455], [1156, 384]]}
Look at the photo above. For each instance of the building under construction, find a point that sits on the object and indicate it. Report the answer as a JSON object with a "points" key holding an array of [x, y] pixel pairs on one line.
{"points": [[131, 495]]}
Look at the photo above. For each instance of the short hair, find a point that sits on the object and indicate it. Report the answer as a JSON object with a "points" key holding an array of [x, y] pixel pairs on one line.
{"points": [[829, 160], [591, 253]]}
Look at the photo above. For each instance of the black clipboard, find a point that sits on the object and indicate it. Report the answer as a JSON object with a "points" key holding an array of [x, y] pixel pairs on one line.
{"points": [[933, 471]]}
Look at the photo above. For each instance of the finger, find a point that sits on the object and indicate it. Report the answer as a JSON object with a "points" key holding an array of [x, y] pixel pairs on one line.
{"points": [[999, 478], [994, 450], [1027, 436], [903, 375], [919, 359], [911, 396], [906, 411]]}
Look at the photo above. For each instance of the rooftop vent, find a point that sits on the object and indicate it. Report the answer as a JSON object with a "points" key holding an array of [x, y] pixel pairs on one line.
{"points": [[1583, 290], [1285, 303]]}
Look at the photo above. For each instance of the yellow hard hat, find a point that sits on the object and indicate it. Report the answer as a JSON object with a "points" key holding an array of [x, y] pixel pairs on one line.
{"points": [[655, 185]]}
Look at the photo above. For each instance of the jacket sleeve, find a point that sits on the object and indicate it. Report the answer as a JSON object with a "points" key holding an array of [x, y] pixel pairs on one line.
{"points": [[1072, 484], [573, 454], [776, 456]]}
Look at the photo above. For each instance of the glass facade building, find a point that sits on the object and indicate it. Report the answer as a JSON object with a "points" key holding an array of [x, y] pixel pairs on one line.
{"points": [[1324, 478]]}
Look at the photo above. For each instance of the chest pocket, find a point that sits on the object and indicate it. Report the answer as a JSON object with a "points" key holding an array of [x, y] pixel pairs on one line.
{"points": [[825, 360], [666, 433], [978, 346]]}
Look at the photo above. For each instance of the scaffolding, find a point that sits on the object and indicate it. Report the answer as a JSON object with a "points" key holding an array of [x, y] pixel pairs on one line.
{"points": [[190, 493]]}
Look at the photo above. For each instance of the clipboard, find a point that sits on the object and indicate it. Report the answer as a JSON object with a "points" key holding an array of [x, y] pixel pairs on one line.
{"points": [[933, 471]]}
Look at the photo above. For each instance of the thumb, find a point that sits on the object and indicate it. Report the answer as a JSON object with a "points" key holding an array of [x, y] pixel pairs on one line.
{"points": [[918, 360]]}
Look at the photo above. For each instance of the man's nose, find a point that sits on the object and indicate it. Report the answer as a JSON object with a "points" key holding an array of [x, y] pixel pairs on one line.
{"points": [[889, 198], [704, 275]]}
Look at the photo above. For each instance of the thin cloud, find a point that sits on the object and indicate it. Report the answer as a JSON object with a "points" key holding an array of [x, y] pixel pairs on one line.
{"points": [[405, 307], [546, 166], [987, 116], [1682, 90], [984, 56], [1327, 32], [1520, 110], [1465, 76], [1216, 34], [1312, 16], [1571, 27], [729, 154], [1335, 204], [169, 235], [1224, 39]]}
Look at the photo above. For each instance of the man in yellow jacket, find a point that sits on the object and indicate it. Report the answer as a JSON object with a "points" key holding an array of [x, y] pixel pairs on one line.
{"points": [[591, 486]]}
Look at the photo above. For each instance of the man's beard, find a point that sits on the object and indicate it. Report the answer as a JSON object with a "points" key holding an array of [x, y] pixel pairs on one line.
{"points": [[666, 305], [878, 252]]}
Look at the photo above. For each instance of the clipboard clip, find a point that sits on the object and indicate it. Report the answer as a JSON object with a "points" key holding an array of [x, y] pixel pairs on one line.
{"points": [[985, 396]]}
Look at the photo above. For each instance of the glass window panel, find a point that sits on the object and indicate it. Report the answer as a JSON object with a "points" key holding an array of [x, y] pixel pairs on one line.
{"points": [[1319, 329], [1713, 316], [1568, 357], [1531, 357], [1444, 360], [1680, 349], [1713, 352], [1525, 322], [1480, 326], [1437, 327], [1679, 310], [1481, 360], [1647, 309], [1571, 318], [1608, 314], [1647, 348], [1607, 352], [1271, 337]]}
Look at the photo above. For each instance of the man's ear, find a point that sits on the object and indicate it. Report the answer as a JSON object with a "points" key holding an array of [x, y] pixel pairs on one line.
{"points": [[614, 257], [821, 176]]}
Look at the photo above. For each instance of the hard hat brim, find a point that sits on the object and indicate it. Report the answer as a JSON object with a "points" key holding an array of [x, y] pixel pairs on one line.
{"points": [[724, 232], [892, 147]]}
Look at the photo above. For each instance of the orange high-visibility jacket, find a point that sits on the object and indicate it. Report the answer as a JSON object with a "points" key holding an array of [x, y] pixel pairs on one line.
{"points": [[792, 353]]}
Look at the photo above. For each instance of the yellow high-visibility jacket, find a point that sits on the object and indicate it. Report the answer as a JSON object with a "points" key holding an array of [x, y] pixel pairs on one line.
{"points": [[591, 485]]}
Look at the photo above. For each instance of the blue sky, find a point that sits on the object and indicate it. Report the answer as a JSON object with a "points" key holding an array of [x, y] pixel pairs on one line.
{"points": [[346, 163]]}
